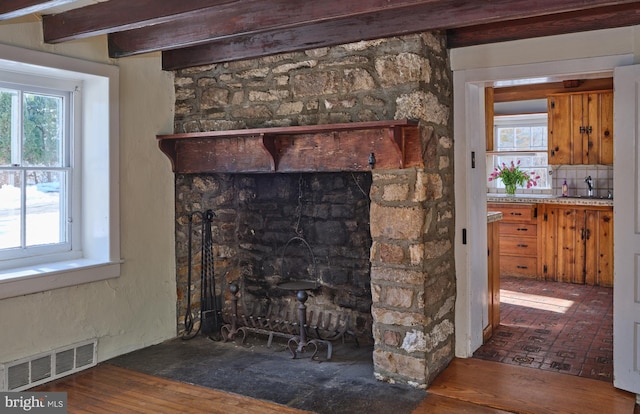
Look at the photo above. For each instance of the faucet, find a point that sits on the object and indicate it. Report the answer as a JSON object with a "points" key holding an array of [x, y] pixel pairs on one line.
{"points": [[589, 182]]}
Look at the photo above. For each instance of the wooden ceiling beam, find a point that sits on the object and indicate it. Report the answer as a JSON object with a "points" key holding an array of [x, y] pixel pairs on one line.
{"points": [[10, 9], [561, 23], [232, 21], [299, 38], [117, 15], [256, 16]]}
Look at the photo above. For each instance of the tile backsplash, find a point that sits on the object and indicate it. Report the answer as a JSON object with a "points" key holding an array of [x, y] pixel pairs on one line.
{"points": [[575, 175], [602, 176]]}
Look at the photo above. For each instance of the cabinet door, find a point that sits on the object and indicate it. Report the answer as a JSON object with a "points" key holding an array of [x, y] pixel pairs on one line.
{"points": [[597, 144], [581, 128], [562, 250], [598, 247], [578, 245], [603, 140], [560, 129], [568, 247]]}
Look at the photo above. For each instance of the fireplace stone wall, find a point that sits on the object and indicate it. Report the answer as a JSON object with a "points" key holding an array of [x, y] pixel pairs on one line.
{"points": [[411, 258]]}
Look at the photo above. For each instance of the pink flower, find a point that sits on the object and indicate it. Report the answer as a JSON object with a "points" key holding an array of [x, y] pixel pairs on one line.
{"points": [[512, 174]]}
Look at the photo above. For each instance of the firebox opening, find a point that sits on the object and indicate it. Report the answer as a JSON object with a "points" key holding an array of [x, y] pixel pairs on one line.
{"points": [[272, 229]]}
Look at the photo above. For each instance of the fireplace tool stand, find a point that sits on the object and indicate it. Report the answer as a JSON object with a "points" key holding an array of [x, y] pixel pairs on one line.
{"points": [[210, 309]]}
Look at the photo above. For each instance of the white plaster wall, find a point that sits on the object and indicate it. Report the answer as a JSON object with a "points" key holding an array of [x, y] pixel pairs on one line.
{"points": [[138, 308]]}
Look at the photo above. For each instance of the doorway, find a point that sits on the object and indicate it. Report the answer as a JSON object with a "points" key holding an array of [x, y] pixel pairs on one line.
{"points": [[548, 325], [471, 260]]}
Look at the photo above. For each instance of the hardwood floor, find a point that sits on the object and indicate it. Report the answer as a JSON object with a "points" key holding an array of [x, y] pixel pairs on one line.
{"points": [[527, 390], [111, 389], [466, 386]]}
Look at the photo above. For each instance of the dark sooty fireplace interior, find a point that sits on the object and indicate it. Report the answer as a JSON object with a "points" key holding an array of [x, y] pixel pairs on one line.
{"points": [[274, 229]]}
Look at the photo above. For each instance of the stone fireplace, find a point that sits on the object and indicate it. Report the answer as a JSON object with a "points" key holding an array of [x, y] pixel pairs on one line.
{"points": [[382, 237]]}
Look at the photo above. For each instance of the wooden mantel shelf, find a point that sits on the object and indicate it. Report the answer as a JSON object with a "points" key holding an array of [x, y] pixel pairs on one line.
{"points": [[316, 148]]}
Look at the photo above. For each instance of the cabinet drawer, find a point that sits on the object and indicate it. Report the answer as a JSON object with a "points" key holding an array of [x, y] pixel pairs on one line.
{"points": [[512, 212], [518, 229], [519, 246], [518, 266]]}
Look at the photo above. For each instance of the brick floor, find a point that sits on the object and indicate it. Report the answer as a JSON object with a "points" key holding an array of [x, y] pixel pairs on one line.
{"points": [[554, 326]]}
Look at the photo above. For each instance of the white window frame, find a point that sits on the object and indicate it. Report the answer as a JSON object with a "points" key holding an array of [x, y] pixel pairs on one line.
{"points": [[70, 91], [97, 256], [506, 121]]}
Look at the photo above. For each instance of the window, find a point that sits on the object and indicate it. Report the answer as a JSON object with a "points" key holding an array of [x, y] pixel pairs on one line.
{"points": [[59, 219], [35, 170], [520, 138]]}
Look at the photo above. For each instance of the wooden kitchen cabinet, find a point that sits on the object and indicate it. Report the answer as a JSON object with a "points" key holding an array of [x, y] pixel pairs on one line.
{"points": [[577, 244], [581, 128], [493, 279], [518, 239]]}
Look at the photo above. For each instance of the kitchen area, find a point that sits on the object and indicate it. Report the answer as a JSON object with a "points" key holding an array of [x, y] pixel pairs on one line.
{"points": [[550, 244], [559, 229]]}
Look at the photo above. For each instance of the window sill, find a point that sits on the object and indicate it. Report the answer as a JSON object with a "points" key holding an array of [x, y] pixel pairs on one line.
{"points": [[48, 276]]}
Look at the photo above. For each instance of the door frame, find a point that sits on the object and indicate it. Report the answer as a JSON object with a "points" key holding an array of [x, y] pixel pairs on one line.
{"points": [[470, 183]]}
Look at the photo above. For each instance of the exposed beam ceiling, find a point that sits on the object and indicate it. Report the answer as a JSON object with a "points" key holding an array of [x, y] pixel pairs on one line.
{"points": [[18, 8], [554, 24], [121, 15], [197, 32]]}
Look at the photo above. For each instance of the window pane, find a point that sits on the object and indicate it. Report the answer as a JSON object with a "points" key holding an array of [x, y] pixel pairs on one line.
{"points": [[523, 138], [44, 208], [505, 139], [42, 145], [8, 126], [539, 138], [10, 198]]}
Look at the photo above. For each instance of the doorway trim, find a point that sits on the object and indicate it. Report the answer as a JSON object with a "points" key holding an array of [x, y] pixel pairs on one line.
{"points": [[470, 182]]}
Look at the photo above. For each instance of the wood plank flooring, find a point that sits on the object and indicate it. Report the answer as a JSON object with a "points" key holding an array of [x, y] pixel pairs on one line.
{"points": [[466, 386], [526, 390], [111, 389]]}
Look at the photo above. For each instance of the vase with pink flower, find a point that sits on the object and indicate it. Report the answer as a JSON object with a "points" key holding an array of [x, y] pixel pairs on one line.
{"points": [[513, 176]]}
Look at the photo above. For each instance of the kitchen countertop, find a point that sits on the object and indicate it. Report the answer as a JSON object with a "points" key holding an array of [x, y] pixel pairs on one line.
{"points": [[493, 216], [548, 199]]}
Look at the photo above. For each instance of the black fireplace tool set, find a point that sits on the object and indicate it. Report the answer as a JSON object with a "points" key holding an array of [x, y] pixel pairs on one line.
{"points": [[210, 301]]}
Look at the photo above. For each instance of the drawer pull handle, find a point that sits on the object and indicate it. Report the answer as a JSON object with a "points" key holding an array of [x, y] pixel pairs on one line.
{"points": [[522, 229], [522, 267], [515, 213], [523, 245]]}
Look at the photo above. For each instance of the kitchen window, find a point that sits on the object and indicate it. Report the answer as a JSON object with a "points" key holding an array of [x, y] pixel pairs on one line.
{"points": [[59, 206], [520, 138]]}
